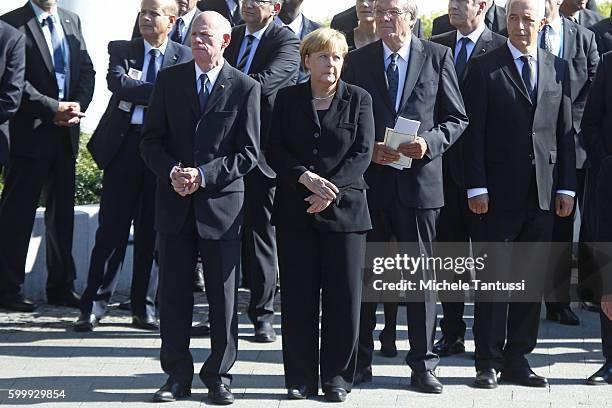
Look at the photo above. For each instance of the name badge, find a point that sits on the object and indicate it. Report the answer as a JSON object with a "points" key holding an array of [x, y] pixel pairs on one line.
{"points": [[125, 106], [134, 74], [61, 84]]}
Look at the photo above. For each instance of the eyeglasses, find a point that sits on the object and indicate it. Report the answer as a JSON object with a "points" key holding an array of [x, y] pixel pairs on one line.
{"points": [[257, 3], [389, 13]]}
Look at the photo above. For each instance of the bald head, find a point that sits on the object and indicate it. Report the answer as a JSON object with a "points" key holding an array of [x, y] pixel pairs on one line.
{"points": [[210, 35]]}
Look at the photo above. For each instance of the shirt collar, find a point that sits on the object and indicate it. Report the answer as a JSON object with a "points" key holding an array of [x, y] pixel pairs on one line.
{"points": [[474, 36], [213, 74], [295, 25], [516, 54], [403, 53], [188, 16], [148, 47], [41, 15], [256, 34], [556, 26]]}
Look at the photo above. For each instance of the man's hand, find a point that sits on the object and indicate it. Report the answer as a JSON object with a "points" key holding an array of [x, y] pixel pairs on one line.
{"points": [[415, 149], [68, 114], [384, 154], [319, 185], [479, 204], [317, 204], [606, 305], [564, 205], [186, 181]]}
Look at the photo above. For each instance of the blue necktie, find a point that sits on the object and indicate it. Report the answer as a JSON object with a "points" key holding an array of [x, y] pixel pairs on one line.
{"points": [[152, 68], [58, 53], [393, 78], [526, 74], [204, 93], [462, 57], [177, 36]]}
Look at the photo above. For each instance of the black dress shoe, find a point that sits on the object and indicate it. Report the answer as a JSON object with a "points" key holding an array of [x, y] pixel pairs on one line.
{"points": [[426, 381], [220, 394], [264, 332], [298, 393], [68, 298], [564, 316], [200, 330], [145, 322], [524, 377], [335, 394], [17, 303], [486, 378], [603, 376], [387, 347], [172, 391], [447, 347], [86, 322], [363, 376]]}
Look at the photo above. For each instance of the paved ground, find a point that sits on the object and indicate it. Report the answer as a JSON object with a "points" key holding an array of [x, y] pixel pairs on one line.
{"points": [[118, 366]]}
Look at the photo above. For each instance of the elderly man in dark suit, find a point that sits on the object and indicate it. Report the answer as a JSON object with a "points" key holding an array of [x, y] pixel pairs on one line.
{"points": [[201, 137], [576, 45], [128, 187], [577, 11], [495, 19], [415, 79], [12, 70], [520, 134], [346, 21], [181, 30], [470, 39], [44, 143], [230, 9], [290, 16], [270, 55]]}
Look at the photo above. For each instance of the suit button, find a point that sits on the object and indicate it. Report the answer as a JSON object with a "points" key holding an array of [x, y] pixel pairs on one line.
{"points": [[311, 168], [315, 151], [316, 135]]}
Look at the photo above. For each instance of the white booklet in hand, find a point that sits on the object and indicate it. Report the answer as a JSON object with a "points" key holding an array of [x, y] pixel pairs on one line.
{"points": [[405, 131]]}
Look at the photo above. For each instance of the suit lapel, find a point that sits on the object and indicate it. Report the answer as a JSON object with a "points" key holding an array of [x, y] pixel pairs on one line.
{"points": [[483, 44], [136, 60], [379, 77], [569, 40], [415, 65], [222, 85], [338, 105], [307, 104], [234, 48], [39, 38], [262, 50], [509, 68], [545, 70], [192, 90], [171, 57]]}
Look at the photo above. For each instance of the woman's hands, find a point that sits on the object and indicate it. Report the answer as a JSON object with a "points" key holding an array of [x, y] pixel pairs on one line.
{"points": [[323, 191]]}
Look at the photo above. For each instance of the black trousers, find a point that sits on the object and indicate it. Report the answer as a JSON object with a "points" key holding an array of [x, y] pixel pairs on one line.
{"points": [[128, 194], [53, 175], [178, 257], [453, 226], [606, 336], [326, 267], [504, 332], [406, 225], [259, 262], [563, 235]]}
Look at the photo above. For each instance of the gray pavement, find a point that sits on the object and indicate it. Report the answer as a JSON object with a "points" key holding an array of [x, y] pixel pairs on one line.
{"points": [[118, 365]]}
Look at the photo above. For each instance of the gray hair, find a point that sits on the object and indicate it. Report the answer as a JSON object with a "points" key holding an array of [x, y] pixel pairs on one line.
{"points": [[539, 4], [411, 7]]}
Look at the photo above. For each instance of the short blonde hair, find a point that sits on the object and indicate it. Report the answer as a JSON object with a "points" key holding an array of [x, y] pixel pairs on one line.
{"points": [[323, 39]]}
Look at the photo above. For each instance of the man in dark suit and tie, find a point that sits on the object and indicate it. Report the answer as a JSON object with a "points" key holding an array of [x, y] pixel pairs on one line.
{"points": [[414, 79], [470, 39], [577, 46], [230, 9], [12, 70], [128, 187], [576, 11], [181, 31], [291, 17], [346, 21], [44, 143], [520, 171], [200, 138], [270, 55], [495, 19]]}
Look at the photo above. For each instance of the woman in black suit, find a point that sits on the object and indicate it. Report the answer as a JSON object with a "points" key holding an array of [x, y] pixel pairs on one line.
{"points": [[320, 145]]}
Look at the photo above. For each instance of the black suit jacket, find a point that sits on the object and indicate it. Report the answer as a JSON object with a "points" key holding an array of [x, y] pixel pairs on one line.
{"points": [[113, 126], [186, 40], [275, 65], [453, 159], [32, 125], [580, 51], [12, 70], [495, 20], [220, 6], [603, 35], [507, 132], [308, 26], [223, 142], [431, 95], [589, 18], [339, 148], [346, 21]]}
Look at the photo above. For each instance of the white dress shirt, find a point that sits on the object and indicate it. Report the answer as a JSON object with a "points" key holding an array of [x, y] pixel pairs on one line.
{"points": [[254, 45], [187, 19], [402, 66], [138, 114], [555, 34], [474, 36], [296, 25]]}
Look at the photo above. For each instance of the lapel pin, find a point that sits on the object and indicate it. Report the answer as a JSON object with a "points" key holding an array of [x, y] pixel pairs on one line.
{"points": [[222, 86]]}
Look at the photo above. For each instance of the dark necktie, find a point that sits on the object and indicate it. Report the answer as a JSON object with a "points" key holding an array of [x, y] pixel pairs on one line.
{"points": [[58, 53], [204, 93], [462, 57], [545, 42], [393, 78], [241, 65], [177, 35], [526, 74], [152, 68]]}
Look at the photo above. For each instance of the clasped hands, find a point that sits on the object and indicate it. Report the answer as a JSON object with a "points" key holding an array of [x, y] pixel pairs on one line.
{"points": [[385, 155], [185, 181], [323, 191], [68, 114]]}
